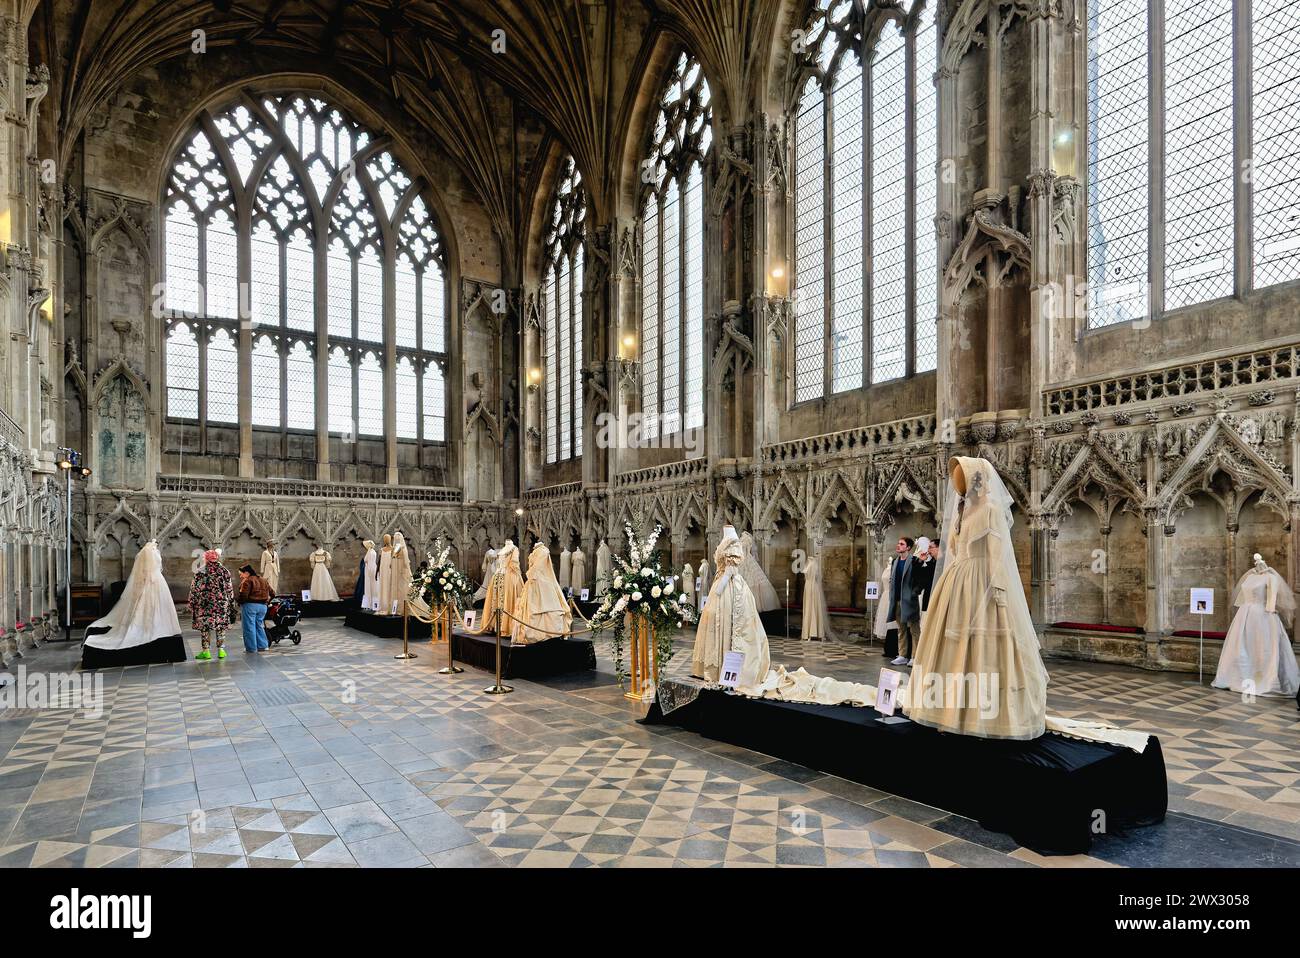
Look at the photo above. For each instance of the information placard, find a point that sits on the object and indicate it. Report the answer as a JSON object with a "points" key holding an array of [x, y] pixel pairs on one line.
{"points": [[873, 590], [1202, 602], [306, 595], [887, 691], [469, 618], [732, 663]]}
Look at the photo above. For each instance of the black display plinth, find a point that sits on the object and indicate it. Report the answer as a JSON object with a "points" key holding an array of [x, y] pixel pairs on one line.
{"points": [[553, 657], [387, 626], [168, 648], [1048, 794], [317, 609], [774, 622]]}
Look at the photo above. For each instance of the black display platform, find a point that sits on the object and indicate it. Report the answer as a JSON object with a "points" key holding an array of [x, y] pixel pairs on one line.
{"points": [[320, 609], [387, 626], [1048, 794], [553, 657], [169, 648], [774, 622]]}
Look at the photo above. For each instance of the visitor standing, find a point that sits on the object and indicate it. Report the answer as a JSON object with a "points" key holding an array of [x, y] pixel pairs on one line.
{"points": [[254, 594]]}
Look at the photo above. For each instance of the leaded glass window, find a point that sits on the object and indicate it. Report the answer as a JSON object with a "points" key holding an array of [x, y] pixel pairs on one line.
{"points": [[562, 307], [865, 284]]}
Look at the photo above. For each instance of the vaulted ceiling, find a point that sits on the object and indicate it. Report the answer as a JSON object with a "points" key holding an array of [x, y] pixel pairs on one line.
{"points": [[578, 65]]}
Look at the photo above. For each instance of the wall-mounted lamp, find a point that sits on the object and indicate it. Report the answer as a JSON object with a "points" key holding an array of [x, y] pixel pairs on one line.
{"points": [[776, 282], [1063, 152], [534, 379]]}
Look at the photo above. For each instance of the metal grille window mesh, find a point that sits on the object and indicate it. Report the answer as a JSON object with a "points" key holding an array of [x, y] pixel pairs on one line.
{"points": [[693, 255], [846, 228], [300, 371], [926, 268], [810, 244], [223, 378], [565, 332], [1198, 187], [670, 349], [407, 390], [370, 389], [435, 404], [204, 249], [889, 207], [1118, 172], [182, 373], [266, 277], [266, 383], [1275, 182], [340, 393], [578, 261], [552, 360], [650, 313]]}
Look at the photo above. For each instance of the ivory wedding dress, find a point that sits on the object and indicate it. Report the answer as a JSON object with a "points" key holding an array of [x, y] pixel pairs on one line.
{"points": [[577, 572], [566, 567], [143, 626], [1257, 656], [542, 610], [271, 569], [764, 595], [688, 584], [729, 621], [816, 617], [602, 568], [489, 566], [322, 584], [504, 589], [400, 571], [370, 564], [978, 670]]}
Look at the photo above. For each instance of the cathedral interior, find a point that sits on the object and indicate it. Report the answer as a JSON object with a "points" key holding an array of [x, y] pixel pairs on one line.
{"points": [[313, 271]]}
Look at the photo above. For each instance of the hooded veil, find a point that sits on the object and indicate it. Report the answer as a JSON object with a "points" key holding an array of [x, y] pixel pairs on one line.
{"points": [[764, 594], [145, 611], [542, 609]]}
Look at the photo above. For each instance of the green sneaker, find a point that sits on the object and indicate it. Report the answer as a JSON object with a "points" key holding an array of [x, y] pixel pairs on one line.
{"points": [[221, 652], [203, 656]]}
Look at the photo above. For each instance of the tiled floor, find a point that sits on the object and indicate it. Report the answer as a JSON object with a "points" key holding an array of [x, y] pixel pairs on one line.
{"points": [[333, 753]]}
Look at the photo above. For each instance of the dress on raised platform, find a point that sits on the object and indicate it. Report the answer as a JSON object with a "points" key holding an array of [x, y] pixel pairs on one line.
{"points": [[145, 613], [816, 618], [566, 568], [603, 562], [978, 670], [688, 584], [485, 570], [765, 596], [386, 580], [1257, 656], [271, 569], [504, 589], [577, 572], [542, 609], [730, 622], [322, 583], [370, 573], [400, 587]]}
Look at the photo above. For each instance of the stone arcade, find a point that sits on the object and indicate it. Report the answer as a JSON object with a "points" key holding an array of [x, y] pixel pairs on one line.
{"points": [[312, 273]]}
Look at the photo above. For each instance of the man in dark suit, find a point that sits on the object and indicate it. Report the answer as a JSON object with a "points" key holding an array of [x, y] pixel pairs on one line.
{"points": [[894, 584], [914, 596], [904, 604]]}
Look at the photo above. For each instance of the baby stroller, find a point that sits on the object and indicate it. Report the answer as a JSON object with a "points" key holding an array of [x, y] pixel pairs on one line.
{"points": [[281, 620]]}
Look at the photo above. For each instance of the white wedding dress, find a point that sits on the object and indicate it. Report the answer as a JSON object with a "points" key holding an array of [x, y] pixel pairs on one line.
{"points": [[145, 610], [322, 583], [816, 619], [541, 610], [1257, 656]]}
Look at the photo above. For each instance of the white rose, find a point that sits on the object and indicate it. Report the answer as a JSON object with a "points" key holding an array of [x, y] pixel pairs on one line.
{"points": [[668, 589], [636, 596], [645, 570], [618, 582], [656, 592]]}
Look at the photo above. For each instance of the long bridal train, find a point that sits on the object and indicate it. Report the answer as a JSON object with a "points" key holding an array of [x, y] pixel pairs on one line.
{"points": [[142, 628]]}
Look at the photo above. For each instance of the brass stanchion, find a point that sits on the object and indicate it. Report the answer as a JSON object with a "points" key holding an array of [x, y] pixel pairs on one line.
{"points": [[444, 620], [498, 688], [406, 649], [642, 658]]}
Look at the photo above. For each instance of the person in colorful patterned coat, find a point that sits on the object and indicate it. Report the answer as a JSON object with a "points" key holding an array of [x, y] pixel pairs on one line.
{"points": [[212, 594]]}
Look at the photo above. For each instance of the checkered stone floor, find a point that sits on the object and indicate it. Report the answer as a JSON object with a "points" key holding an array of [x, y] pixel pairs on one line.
{"points": [[334, 754]]}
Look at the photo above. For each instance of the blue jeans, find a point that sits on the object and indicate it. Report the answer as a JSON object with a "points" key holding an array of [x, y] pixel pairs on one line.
{"points": [[254, 620]]}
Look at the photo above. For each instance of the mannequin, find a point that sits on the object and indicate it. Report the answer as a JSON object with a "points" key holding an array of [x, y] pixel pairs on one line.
{"points": [[271, 566], [485, 571], [541, 605], [603, 562], [142, 628], [577, 572], [504, 589], [386, 576], [401, 572], [687, 590], [1257, 657], [370, 563], [756, 578], [322, 584], [566, 567], [705, 581], [730, 622], [978, 621], [816, 619]]}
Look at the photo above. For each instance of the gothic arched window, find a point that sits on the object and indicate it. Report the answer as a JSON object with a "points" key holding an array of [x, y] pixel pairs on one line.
{"points": [[1203, 232], [323, 197], [564, 259], [866, 273], [672, 254]]}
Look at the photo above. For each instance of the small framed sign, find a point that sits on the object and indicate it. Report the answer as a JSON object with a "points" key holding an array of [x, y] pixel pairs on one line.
{"points": [[374, 604], [732, 663], [469, 618], [698, 583], [306, 595], [887, 691], [873, 590], [1202, 602], [586, 595]]}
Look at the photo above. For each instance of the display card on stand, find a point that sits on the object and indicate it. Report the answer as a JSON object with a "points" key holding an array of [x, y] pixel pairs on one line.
{"points": [[887, 696], [306, 595], [1202, 602], [873, 590], [732, 663], [469, 618]]}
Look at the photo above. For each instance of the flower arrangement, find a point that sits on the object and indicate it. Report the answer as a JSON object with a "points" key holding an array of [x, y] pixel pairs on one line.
{"points": [[641, 585], [440, 583]]}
